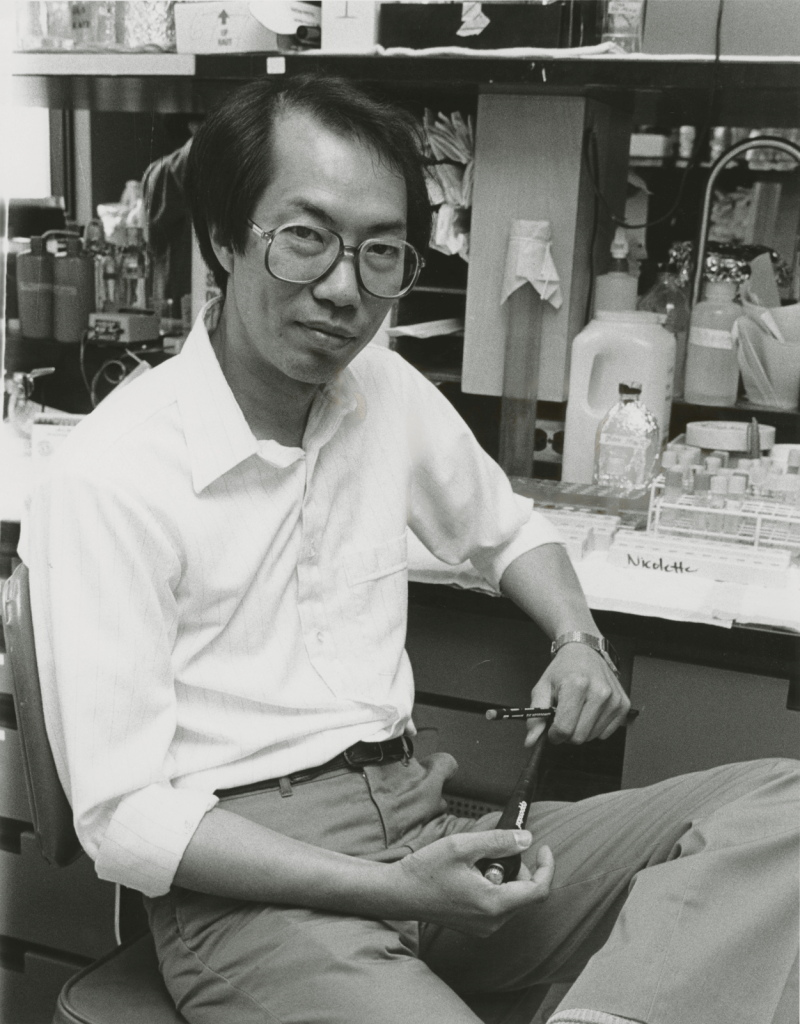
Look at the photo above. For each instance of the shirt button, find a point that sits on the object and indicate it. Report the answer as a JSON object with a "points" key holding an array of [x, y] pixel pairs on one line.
{"points": [[320, 636]]}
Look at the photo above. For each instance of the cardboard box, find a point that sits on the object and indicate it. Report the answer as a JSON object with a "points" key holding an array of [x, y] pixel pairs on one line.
{"points": [[762, 28], [349, 27], [220, 28]]}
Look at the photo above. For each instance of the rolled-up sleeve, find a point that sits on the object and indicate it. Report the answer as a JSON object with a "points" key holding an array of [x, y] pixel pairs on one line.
{"points": [[102, 570], [461, 504]]}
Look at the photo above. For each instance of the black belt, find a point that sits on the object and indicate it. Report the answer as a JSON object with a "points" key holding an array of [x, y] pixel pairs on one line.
{"points": [[399, 749]]}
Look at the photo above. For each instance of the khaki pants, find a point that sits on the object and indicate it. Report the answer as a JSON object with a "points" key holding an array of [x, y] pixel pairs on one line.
{"points": [[674, 904]]}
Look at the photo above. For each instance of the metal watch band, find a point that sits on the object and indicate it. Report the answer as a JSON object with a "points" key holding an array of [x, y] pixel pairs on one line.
{"points": [[597, 643]]}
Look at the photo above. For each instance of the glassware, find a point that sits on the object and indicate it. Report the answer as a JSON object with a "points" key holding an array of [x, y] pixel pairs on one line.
{"points": [[147, 26], [105, 24], [623, 22], [59, 26], [135, 272], [31, 26], [627, 446]]}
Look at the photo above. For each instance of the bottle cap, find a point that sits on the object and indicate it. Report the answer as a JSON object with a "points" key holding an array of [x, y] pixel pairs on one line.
{"points": [[713, 463], [669, 458], [620, 247], [719, 485], [37, 245], [74, 246]]}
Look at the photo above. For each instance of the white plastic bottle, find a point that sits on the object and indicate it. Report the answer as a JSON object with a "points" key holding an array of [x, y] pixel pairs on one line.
{"points": [[617, 289], [614, 346], [667, 297], [628, 443], [712, 361]]}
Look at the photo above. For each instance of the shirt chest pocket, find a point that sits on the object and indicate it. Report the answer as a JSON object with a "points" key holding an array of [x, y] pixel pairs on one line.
{"points": [[377, 580]]}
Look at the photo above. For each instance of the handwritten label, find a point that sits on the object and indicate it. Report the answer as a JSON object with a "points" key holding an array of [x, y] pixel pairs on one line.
{"points": [[638, 562]]}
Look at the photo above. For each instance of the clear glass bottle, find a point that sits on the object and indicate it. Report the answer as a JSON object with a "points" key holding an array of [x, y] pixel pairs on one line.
{"points": [[712, 361], [135, 272], [628, 443], [623, 22], [59, 25], [668, 298]]}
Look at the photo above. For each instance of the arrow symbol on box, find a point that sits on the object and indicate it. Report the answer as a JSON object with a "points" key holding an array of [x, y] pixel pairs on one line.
{"points": [[223, 16]]}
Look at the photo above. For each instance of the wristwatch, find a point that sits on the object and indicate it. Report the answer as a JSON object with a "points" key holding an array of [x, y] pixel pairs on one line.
{"points": [[597, 643]]}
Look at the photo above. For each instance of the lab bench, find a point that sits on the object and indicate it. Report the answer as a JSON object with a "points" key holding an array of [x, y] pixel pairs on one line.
{"points": [[706, 695]]}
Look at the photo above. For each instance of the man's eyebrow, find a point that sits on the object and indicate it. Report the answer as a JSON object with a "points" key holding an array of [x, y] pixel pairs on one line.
{"points": [[316, 211]]}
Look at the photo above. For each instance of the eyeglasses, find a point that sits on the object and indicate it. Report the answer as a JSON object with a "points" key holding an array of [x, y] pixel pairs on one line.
{"points": [[386, 268]]}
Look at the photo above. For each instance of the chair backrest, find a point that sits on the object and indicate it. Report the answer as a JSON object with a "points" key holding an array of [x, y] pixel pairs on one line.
{"points": [[52, 814]]}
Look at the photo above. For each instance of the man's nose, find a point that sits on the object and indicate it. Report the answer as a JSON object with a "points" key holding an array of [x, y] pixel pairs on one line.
{"points": [[340, 284]]}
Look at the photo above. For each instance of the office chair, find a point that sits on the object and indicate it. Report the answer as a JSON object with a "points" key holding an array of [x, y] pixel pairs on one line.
{"points": [[124, 986]]}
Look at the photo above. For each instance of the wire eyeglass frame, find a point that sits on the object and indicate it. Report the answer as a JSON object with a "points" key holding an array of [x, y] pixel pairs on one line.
{"points": [[345, 251]]}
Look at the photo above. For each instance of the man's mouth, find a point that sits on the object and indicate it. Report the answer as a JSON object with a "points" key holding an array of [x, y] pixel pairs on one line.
{"points": [[328, 331]]}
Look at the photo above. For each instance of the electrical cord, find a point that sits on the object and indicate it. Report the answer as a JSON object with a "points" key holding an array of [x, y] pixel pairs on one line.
{"points": [[113, 371], [591, 153]]}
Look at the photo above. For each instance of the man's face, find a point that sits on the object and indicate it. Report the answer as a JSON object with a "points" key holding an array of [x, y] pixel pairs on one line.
{"points": [[310, 332]]}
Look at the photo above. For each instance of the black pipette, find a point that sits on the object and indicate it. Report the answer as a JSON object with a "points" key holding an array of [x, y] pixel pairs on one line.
{"points": [[514, 816]]}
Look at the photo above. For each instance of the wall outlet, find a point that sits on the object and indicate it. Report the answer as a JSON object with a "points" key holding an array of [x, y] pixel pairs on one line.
{"points": [[548, 441]]}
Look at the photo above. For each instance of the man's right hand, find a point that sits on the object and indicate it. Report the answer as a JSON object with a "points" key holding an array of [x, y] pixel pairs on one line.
{"points": [[233, 857], [440, 883]]}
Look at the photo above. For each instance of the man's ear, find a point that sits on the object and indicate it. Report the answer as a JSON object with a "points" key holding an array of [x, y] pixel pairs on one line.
{"points": [[222, 250]]}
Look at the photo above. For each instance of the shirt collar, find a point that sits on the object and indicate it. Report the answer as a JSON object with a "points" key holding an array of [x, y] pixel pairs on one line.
{"points": [[216, 431]]}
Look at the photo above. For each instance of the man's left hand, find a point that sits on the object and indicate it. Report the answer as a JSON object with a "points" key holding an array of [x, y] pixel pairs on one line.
{"points": [[589, 699]]}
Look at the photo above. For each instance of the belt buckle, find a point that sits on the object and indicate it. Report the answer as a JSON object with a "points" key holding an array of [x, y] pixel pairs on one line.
{"points": [[356, 758]]}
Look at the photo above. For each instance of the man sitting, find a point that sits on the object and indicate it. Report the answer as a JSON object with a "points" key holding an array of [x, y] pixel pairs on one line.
{"points": [[219, 586]]}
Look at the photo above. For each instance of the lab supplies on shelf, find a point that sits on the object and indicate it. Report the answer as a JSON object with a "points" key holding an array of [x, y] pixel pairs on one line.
{"points": [[717, 513]]}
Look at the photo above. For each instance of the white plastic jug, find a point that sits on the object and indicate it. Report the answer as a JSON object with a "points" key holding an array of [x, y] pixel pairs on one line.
{"points": [[614, 347]]}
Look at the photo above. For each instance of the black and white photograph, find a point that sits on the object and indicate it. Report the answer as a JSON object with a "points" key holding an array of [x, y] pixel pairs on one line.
{"points": [[400, 512]]}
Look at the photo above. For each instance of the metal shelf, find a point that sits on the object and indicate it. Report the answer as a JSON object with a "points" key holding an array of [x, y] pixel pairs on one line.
{"points": [[742, 91], [103, 64]]}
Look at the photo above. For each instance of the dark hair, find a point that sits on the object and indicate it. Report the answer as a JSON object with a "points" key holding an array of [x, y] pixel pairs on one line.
{"points": [[230, 161]]}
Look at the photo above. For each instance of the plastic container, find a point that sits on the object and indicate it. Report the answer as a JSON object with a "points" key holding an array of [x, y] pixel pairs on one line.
{"points": [[73, 292], [668, 298], [614, 347], [35, 291], [628, 443], [712, 362], [617, 290]]}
